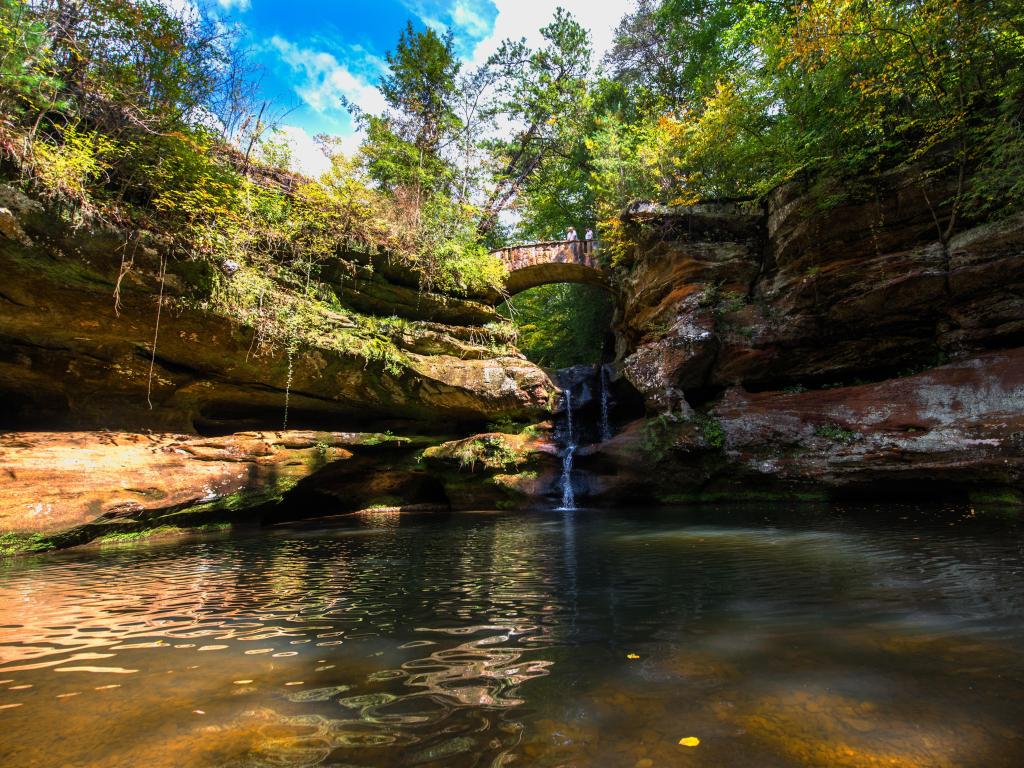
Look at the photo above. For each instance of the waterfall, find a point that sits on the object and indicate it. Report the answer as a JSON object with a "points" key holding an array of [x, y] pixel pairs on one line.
{"points": [[568, 498], [606, 427]]}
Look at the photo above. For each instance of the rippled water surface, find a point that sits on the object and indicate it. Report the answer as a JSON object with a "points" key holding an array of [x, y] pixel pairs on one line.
{"points": [[821, 638]]}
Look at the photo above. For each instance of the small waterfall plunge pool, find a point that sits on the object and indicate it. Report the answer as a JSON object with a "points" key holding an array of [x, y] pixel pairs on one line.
{"points": [[757, 636]]}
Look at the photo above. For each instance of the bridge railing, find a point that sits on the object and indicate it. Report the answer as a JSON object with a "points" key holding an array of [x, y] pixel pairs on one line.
{"points": [[579, 251]]}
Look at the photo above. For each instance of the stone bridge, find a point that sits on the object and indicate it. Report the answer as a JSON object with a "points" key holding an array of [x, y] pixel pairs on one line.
{"points": [[557, 261]]}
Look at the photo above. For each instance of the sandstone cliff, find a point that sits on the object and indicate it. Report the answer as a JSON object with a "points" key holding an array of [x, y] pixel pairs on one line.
{"points": [[81, 306], [777, 345]]}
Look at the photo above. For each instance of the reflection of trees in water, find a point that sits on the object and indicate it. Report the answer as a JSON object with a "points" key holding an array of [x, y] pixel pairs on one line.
{"points": [[454, 639]]}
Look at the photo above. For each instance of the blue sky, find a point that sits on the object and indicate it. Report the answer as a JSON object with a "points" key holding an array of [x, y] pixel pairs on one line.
{"points": [[314, 52]]}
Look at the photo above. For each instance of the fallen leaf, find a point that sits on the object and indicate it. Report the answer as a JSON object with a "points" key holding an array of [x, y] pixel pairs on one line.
{"points": [[689, 741], [632, 656]]}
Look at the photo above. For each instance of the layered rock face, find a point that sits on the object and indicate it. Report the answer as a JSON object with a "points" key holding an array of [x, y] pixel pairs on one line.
{"points": [[795, 328], [70, 487], [78, 316], [790, 294], [80, 309], [955, 433]]}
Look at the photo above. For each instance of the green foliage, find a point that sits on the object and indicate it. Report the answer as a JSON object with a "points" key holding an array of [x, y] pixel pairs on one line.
{"points": [[490, 451], [26, 62], [275, 151], [711, 429], [420, 87], [837, 433], [183, 182], [562, 324], [451, 257], [725, 98], [542, 94], [66, 170]]}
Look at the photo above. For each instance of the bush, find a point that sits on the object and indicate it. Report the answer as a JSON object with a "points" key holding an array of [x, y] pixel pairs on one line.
{"points": [[66, 170]]}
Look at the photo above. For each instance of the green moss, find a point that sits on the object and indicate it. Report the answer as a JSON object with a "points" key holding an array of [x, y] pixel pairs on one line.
{"points": [[505, 425], [659, 435], [128, 536], [17, 543], [379, 438], [711, 429], [836, 433], [730, 302], [490, 451], [64, 271], [1000, 497]]}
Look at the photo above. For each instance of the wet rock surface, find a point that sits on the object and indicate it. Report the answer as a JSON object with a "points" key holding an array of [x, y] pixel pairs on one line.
{"points": [[956, 429]]}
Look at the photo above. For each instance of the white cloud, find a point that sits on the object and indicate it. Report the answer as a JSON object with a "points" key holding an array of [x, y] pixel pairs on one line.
{"points": [[467, 15], [327, 81], [241, 5], [524, 18], [307, 156]]}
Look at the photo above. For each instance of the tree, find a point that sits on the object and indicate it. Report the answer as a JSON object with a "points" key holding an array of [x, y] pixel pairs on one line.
{"points": [[541, 93], [421, 88], [404, 146]]}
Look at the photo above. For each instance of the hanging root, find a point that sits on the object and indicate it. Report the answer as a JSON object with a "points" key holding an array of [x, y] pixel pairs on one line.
{"points": [[126, 267], [288, 387], [156, 332]]}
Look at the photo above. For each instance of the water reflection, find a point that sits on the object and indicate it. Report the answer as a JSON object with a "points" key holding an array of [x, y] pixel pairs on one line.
{"points": [[560, 639]]}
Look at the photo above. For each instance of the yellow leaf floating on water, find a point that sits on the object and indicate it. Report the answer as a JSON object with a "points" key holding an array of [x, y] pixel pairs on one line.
{"points": [[632, 656], [689, 741]]}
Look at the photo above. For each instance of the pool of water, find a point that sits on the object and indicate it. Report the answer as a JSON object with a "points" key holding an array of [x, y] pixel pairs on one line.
{"points": [[825, 637]]}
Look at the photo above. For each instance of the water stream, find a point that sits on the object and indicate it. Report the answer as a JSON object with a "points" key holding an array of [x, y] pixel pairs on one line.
{"points": [[568, 497], [606, 426]]}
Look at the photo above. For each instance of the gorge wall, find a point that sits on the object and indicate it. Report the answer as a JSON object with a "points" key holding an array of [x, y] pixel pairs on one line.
{"points": [[225, 416], [829, 342]]}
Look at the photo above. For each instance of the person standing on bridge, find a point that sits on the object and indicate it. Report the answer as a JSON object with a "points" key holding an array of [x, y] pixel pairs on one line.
{"points": [[588, 247], [573, 240]]}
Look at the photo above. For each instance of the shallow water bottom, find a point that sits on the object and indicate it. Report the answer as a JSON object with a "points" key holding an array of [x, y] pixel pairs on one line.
{"points": [[712, 637]]}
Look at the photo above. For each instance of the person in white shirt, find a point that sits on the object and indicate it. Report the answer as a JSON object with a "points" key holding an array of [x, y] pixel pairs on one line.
{"points": [[574, 242]]}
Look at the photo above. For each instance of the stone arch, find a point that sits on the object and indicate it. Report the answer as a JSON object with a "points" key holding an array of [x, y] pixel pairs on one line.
{"points": [[556, 261]]}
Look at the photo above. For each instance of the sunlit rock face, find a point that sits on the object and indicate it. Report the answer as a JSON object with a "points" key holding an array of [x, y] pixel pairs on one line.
{"points": [[86, 345], [805, 291], [797, 326], [955, 430], [76, 486], [78, 320]]}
